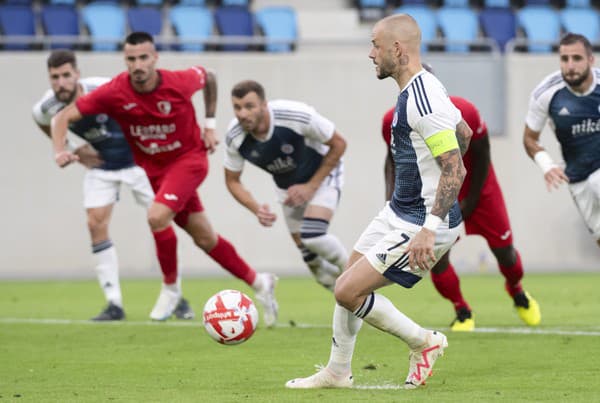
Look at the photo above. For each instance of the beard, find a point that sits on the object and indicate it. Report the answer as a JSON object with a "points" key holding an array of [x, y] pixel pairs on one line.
{"points": [[578, 80], [65, 96]]}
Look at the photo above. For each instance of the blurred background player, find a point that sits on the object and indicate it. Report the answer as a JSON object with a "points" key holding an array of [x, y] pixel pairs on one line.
{"points": [[155, 110], [111, 165], [570, 97], [484, 213], [302, 151]]}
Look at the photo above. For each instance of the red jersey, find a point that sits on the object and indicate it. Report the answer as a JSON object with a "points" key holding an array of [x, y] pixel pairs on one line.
{"points": [[160, 126], [471, 115]]}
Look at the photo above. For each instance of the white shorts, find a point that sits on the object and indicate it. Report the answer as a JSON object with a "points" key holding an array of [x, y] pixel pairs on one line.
{"points": [[101, 187], [384, 243], [586, 195], [328, 196]]}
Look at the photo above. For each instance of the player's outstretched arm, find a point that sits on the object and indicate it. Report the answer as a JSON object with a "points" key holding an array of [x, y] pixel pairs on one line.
{"points": [[553, 174], [245, 198], [58, 128], [302, 193], [210, 105], [463, 136]]}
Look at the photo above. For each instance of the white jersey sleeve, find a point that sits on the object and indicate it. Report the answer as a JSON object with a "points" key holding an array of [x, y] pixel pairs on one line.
{"points": [[233, 140], [46, 108], [303, 119], [539, 101]]}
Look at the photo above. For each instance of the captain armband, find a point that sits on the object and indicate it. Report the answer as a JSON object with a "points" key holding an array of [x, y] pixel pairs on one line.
{"points": [[544, 161], [442, 142]]}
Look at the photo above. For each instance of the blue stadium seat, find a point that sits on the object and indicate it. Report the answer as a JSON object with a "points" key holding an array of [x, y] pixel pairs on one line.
{"points": [[146, 19], [578, 4], [499, 24], [372, 3], [60, 20], [497, 3], [234, 21], [371, 10], [458, 25], [456, 3], [17, 20], [541, 25], [426, 19], [582, 21], [278, 22], [242, 3], [19, 2], [155, 3], [191, 23], [106, 24], [197, 3], [64, 2]]}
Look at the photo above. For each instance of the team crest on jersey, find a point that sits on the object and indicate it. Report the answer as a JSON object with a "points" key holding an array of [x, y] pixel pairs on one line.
{"points": [[164, 107], [287, 148], [101, 118]]}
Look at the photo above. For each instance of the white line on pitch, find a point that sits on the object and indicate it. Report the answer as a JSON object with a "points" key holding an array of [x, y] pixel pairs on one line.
{"points": [[193, 323]]}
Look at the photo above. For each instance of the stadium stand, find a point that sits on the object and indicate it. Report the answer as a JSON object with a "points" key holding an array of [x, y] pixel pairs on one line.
{"points": [[60, 20], [18, 21], [147, 19], [191, 23], [459, 26], [278, 23], [541, 25], [499, 24], [427, 20], [106, 24], [236, 22], [583, 21]]}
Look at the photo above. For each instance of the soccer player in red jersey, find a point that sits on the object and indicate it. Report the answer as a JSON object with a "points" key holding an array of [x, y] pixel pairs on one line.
{"points": [[484, 213], [155, 111]]}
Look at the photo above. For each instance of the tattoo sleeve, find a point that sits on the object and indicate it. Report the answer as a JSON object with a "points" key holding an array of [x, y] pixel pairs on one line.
{"points": [[463, 135], [453, 174]]}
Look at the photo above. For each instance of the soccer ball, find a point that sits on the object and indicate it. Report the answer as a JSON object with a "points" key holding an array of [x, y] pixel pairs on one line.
{"points": [[230, 317]]}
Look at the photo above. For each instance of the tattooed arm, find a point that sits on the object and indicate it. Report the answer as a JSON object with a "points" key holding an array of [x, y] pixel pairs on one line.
{"points": [[463, 135]]}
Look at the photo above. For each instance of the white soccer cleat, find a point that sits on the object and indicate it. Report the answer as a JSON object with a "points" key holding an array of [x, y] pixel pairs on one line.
{"points": [[322, 379], [166, 304], [422, 360], [266, 297]]}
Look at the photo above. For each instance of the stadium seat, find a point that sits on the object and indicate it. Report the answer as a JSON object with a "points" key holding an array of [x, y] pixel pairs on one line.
{"points": [[456, 3], [154, 3], [234, 21], [459, 26], [19, 2], [426, 19], [17, 20], [197, 3], [371, 10], [582, 21], [64, 2], [578, 4], [60, 20], [191, 23], [499, 24], [145, 19], [497, 3], [106, 24], [278, 22], [541, 24], [242, 3]]}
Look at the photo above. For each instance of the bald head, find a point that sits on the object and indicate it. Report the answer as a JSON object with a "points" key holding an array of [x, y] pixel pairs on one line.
{"points": [[401, 28]]}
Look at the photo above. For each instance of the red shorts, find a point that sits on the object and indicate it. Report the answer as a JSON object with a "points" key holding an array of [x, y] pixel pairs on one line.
{"points": [[490, 219], [175, 185]]}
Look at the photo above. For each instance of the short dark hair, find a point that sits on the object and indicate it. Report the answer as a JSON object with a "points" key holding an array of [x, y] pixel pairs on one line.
{"points": [[570, 38], [136, 38], [243, 88], [59, 57]]}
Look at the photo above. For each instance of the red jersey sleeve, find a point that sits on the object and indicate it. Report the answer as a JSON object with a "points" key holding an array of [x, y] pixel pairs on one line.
{"points": [[471, 115], [97, 101], [386, 126], [193, 79]]}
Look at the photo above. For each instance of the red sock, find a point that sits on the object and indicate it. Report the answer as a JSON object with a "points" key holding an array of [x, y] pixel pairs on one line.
{"points": [[448, 285], [166, 251], [225, 254], [513, 275]]}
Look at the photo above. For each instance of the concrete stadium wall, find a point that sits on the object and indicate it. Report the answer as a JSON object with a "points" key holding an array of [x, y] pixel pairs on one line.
{"points": [[45, 233]]}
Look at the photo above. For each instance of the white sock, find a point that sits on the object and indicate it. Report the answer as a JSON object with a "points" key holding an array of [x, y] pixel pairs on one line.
{"points": [[385, 316], [324, 272], [345, 328], [329, 248], [175, 287], [107, 271]]}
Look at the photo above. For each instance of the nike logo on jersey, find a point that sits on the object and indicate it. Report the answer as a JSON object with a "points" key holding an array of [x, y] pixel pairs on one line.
{"points": [[129, 106], [564, 111], [505, 236], [170, 196]]}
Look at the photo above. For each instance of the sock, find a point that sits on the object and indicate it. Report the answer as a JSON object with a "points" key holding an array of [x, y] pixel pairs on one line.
{"points": [[379, 312], [345, 328], [329, 248], [225, 254], [166, 251], [107, 271], [324, 272], [448, 285], [513, 275]]}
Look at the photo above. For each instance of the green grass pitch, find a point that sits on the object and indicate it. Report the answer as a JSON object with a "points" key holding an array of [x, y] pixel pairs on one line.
{"points": [[49, 352]]}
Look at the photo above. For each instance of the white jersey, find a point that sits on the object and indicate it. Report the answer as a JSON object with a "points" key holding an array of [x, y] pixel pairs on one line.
{"points": [[423, 110], [294, 146]]}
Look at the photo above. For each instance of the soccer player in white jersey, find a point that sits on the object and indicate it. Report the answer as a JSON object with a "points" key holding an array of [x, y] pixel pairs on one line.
{"points": [[417, 226], [569, 100], [111, 164], [302, 151]]}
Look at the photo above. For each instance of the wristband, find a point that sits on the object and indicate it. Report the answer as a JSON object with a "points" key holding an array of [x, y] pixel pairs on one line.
{"points": [[210, 123], [432, 222], [544, 161]]}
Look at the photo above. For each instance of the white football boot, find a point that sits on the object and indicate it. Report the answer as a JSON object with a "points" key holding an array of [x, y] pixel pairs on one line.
{"points": [[166, 304], [422, 359], [265, 295], [322, 379]]}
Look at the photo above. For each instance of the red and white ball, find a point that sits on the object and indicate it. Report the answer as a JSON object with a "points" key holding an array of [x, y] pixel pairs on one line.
{"points": [[230, 317]]}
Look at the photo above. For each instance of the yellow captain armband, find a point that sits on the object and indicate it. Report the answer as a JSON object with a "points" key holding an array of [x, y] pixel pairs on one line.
{"points": [[441, 142]]}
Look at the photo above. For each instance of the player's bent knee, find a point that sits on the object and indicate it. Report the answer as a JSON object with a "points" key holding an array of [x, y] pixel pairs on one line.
{"points": [[158, 222], [312, 228]]}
